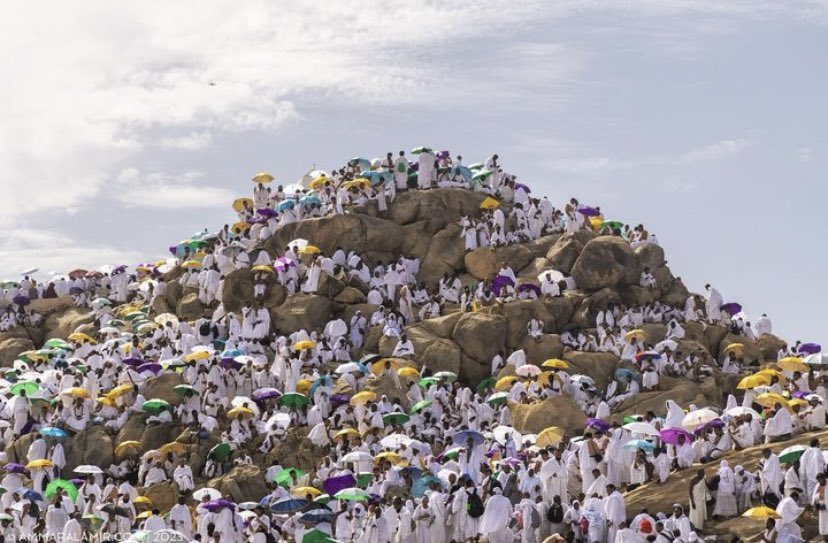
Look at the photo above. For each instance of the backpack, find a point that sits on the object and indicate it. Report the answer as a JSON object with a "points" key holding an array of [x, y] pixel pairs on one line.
{"points": [[475, 506], [536, 518], [555, 514]]}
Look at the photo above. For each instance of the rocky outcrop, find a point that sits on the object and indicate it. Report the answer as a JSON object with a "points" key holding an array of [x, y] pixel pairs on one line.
{"points": [[558, 411], [241, 484], [606, 261], [302, 311]]}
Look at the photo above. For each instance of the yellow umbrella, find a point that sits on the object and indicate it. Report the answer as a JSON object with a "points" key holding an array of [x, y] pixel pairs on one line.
{"points": [[359, 182], [197, 355], [318, 182], [239, 204], [164, 318], [771, 373], [241, 412], [347, 432], [309, 250], [106, 401], [39, 464], [555, 363], [736, 348], [263, 268], [119, 391], [544, 377], [142, 500], [363, 397], [392, 457], [770, 399], [761, 512], [489, 203], [753, 381], [143, 269], [549, 437], [191, 264], [175, 447], [797, 402], [239, 227], [144, 515], [80, 337], [379, 365], [127, 447], [505, 383], [75, 392], [793, 363], [408, 372], [262, 177], [302, 345], [638, 334], [303, 386], [303, 491], [596, 223]]}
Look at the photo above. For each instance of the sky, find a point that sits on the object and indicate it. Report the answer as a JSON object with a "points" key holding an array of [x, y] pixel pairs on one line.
{"points": [[124, 128]]}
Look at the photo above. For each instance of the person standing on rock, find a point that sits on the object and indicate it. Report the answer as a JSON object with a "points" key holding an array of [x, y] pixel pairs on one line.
{"points": [[812, 463], [714, 303]]}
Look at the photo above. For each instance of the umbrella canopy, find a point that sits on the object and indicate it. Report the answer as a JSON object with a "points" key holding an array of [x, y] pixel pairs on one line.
{"points": [[39, 464], [637, 334], [352, 495], [644, 428], [51, 431], [395, 418], [556, 363], [770, 399], [88, 469], [217, 505], [462, 437], [694, 419], [262, 177], [61, 484], [419, 406], [761, 513], [127, 447], [210, 493], [239, 204], [363, 397], [289, 505], [549, 436], [731, 308], [670, 435], [24, 388], [332, 485], [264, 394], [528, 370], [792, 454], [753, 381], [220, 452], [810, 348], [294, 399], [793, 363], [155, 406], [285, 477], [302, 345], [505, 383], [642, 444], [598, 424], [498, 398], [185, 390]]}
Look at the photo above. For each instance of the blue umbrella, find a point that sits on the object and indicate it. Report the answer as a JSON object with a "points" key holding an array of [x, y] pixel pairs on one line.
{"points": [[33, 496], [462, 437], [464, 171], [421, 485], [325, 380], [316, 516], [642, 444], [290, 505], [286, 204], [310, 199], [51, 431], [627, 374], [231, 353]]}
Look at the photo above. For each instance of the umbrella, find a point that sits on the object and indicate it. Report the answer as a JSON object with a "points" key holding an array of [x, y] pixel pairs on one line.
{"points": [[643, 428], [736, 348], [463, 436], [761, 512], [694, 419], [626, 374], [731, 308], [210, 493], [332, 485], [33, 496], [152, 367], [738, 411], [753, 381], [21, 299], [551, 275], [239, 204], [637, 334], [480, 175], [391, 457], [262, 177], [285, 477], [579, 378], [770, 399], [289, 505], [612, 225], [51, 431], [241, 412], [639, 444], [528, 370], [127, 447], [419, 406], [185, 390], [670, 435], [499, 282], [88, 469], [589, 211], [810, 348], [27, 387], [523, 287], [792, 364], [155, 406], [498, 398], [598, 424], [346, 432], [489, 202], [792, 454], [217, 505], [395, 418], [314, 517], [355, 457], [174, 447], [220, 452], [264, 394], [285, 205], [70, 489], [13, 467], [39, 464], [301, 345], [555, 363], [549, 436], [505, 383], [647, 355], [294, 399], [420, 149], [426, 382], [352, 494], [363, 397]]}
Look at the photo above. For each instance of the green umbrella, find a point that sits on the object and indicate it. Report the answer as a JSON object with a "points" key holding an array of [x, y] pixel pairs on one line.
{"points": [[486, 384], [155, 406], [185, 390], [220, 452], [476, 166], [27, 387], [101, 301], [420, 149], [482, 174], [448, 376], [63, 484], [294, 399], [57, 343], [322, 498], [8, 283], [630, 418], [613, 225], [364, 478], [395, 418], [428, 381], [792, 454], [352, 495], [285, 478], [498, 398], [6, 516], [317, 536], [419, 406]]}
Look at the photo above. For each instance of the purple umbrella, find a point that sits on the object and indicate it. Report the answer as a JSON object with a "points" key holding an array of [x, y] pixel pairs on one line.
{"points": [[255, 220], [443, 154], [529, 286], [230, 363], [264, 394], [511, 461], [731, 308], [13, 467], [119, 269], [598, 424], [154, 367], [267, 212], [524, 187], [217, 505], [588, 211], [800, 394], [715, 423], [810, 348], [173, 249], [133, 361], [340, 399], [670, 435], [283, 262], [334, 484], [499, 282], [21, 299], [77, 481]]}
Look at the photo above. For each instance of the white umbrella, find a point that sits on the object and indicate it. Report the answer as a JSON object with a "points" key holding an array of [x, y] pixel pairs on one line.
{"points": [[211, 493], [279, 420], [694, 419], [554, 275], [643, 428], [245, 401], [357, 457], [741, 410], [817, 359], [336, 328], [502, 432], [528, 370], [298, 242], [92, 470], [349, 367], [667, 344], [578, 378], [517, 358], [29, 271], [393, 441]]}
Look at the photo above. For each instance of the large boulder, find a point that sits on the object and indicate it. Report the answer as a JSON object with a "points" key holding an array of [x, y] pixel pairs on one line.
{"points": [[600, 366], [12, 346], [302, 311], [237, 291], [442, 326], [161, 387], [587, 311], [445, 204], [350, 295], [162, 495], [561, 309], [484, 263], [445, 254], [189, 307], [650, 255], [62, 323], [768, 345], [563, 254], [518, 314], [92, 446], [605, 261], [481, 335], [244, 483], [436, 353], [558, 411]]}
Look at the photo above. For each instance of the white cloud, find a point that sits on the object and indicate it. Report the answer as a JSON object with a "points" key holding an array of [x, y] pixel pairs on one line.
{"points": [[804, 154], [188, 142], [161, 190]]}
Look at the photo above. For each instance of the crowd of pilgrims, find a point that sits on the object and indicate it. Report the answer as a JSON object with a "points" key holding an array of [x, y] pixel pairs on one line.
{"points": [[442, 461]]}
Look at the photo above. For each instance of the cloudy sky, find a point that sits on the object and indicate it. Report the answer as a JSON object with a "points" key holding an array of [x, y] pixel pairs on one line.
{"points": [[702, 119]]}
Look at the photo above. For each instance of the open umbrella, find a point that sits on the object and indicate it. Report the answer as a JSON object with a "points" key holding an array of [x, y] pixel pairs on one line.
{"points": [[670, 435], [363, 397], [262, 177], [285, 476], [289, 505], [210, 493], [809, 348], [24, 387], [498, 398], [463, 436], [598, 424], [643, 428], [88, 469], [549, 437], [731, 308], [51, 431], [528, 370], [587, 211], [217, 505], [642, 444], [694, 419], [155, 406], [294, 399], [332, 485], [419, 406], [395, 418], [753, 381], [264, 394], [625, 374], [556, 363], [220, 452], [70, 489], [792, 454], [762, 513], [127, 447], [352, 494]]}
